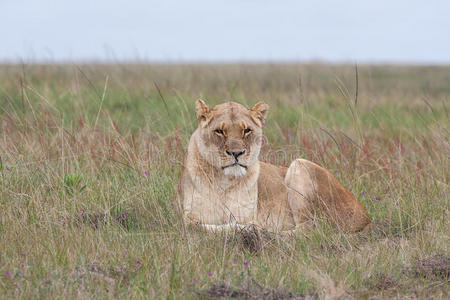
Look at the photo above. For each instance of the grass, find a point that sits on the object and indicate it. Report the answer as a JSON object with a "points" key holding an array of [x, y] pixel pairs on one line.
{"points": [[91, 154]]}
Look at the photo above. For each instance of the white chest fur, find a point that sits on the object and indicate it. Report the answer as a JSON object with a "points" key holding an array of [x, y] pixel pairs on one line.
{"points": [[236, 204]]}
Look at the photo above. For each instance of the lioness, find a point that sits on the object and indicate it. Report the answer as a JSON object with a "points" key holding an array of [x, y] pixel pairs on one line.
{"points": [[224, 184]]}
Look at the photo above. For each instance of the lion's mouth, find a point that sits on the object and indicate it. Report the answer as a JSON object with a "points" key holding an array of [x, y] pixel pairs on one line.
{"points": [[234, 165]]}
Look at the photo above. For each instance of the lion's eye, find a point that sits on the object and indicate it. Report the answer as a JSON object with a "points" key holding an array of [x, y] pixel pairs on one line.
{"points": [[218, 131], [247, 131]]}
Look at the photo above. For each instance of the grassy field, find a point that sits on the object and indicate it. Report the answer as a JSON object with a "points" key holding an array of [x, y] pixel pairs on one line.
{"points": [[91, 154]]}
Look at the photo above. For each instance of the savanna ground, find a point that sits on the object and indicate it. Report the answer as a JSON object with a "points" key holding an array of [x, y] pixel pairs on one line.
{"points": [[91, 154]]}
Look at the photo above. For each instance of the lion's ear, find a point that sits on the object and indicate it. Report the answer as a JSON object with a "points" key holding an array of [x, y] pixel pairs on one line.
{"points": [[203, 111], [259, 112]]}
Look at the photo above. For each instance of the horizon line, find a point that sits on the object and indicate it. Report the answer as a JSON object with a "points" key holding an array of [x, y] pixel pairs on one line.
{"points": [[222, 62]]}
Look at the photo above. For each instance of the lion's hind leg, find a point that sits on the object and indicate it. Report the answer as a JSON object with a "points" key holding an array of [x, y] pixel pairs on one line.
{"points": [[310, 186], [300, 190]]}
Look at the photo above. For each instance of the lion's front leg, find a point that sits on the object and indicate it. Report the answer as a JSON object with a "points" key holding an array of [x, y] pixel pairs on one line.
{"points": [[229, 227]]}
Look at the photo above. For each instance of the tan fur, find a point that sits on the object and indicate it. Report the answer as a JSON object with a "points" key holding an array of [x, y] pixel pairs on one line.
{"points": [[215, 192]]}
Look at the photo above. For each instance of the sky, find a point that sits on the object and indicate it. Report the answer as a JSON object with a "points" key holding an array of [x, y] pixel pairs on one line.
{"points": [[382, 31]]}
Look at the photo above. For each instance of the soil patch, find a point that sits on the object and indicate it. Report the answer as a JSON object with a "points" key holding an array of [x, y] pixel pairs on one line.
{"points": [[250, 289], [436, 266], [380, 282]]}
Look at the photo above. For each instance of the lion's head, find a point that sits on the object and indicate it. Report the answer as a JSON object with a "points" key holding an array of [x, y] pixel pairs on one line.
{"points": [[230, 135]]}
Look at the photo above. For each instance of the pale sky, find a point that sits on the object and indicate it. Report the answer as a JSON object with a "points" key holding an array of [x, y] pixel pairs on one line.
{"points": [[399, 31]]}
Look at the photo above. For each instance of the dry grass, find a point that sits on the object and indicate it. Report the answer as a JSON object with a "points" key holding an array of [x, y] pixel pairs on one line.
{"points": [[90, 156]]}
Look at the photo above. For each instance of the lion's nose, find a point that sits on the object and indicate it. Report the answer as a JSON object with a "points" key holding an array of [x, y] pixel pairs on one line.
{"points": [[235, 154]]}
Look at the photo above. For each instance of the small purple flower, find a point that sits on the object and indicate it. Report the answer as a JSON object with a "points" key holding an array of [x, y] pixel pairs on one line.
{"points": [[234, 260], [245, 263], [196, 223], [145, 173], [363, 193], [7, 168], [22, 265], [155, 221], [387, 221], [160, 175], [138, 262], [195, 280], [171, 204], [7, 273], [124, 254], [378, 198], [24, 254], [83, 213], [396, 203], [210, 274]]}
